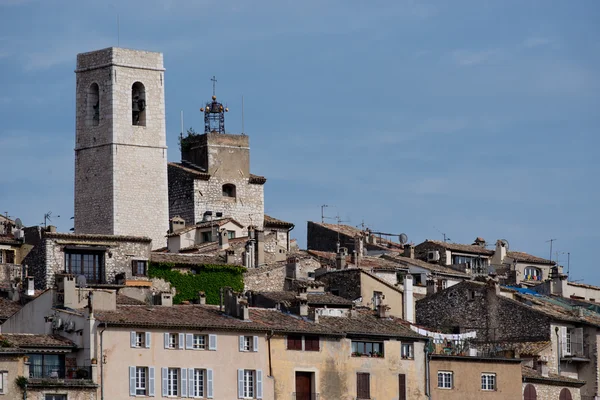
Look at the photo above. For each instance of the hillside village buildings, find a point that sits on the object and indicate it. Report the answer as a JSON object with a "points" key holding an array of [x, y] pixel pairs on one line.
{"points": [[85, 315]]}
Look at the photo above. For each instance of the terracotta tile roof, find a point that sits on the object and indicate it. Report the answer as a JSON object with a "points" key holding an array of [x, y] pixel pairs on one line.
{"points": [[524, 257], [366, 323], [8, 308], [256, 179], [209, 317], [206, 224], [367, 273], [313, 298], [558, 309], [126, 300], [193, 172], [92, 237], [9, 239], [351, 231], [465, 248], [531, 375], [368, 262], [21, 340], [583, 285], [525, 348], [435, 268], [274, 222]]}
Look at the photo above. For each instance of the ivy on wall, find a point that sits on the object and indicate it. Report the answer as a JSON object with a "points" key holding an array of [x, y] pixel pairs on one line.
{"points": [[208, 278]]}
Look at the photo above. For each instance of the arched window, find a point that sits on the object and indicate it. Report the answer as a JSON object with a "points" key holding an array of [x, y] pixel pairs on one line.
{"points": [[565, 394], [138, 104], [228, 190], [533, 274], [529, 393], [92, 114]]}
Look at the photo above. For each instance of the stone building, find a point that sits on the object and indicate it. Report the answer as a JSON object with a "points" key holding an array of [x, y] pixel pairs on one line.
{"points": [[120, 145], [326, 237]]}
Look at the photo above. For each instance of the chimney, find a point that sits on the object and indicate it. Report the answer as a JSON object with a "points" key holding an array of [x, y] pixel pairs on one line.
{"points": [[236, 305], [201, 297], [542, 367], [354, 258], [223, 239], [500, 252], [30, 286], [176, 224], [340, 258], [51, 229], [249, 254], [166, 299], [409, 251], [230, 257], [431, 287], [292, 268], [359, 247], [409, 309], [383, 311], [260, 248], [302, 299], [479, 241]]}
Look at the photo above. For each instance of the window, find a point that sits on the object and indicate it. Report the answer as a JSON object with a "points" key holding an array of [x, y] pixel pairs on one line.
{"points": [[46, 366], [197, 379], [401, 387], [140, 339], [172, 381], [573, 342], [138, 104], [444, 284], [488, 381], [408, 351], [249, 384], [228, 190], [311, 343], [230, 234], [477, 264], [248, 343], [445, 380], [141, 381], [294, 342], [88, 264], [377, 298], [529, 393], [55, 397], [371, 349], [363, 385], [174, 340], [565, 394], [139, 267], [206, 237], [532, 274], [92, 117], [199, 342], [3, 379]]}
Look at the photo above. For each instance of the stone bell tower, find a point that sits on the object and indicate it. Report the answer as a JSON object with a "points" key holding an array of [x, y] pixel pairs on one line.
{"points": [[120, 145]]}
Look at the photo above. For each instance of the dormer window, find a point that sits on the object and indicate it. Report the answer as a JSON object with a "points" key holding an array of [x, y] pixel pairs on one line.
{"points": [[229, 190], [138, 104]]}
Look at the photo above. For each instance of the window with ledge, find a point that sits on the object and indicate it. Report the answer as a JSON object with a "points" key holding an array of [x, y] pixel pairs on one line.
{"points": [[250, 384], [407, 351], [174, 340], [306, 343], [230, 234], [229, 190], [445, 379], [171, 381], [363, 385], [138, 104], [141, 381], [55, 397], [248, 343], [3, 379], [477, 264], [43, 366], [139, 267], [87, 263], [200, 381], [532, 274], [369, 349], [199, 342], [206, 237], [488, 381], [92, 117]]}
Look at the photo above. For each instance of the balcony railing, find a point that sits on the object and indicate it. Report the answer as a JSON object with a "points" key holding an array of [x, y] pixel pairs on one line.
{"points": [[305, 396], [57, 372]]}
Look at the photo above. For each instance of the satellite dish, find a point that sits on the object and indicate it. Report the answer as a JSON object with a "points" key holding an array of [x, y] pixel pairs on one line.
{"points": [[18, 223], [81, 281], [504, 243], [403, 238]]}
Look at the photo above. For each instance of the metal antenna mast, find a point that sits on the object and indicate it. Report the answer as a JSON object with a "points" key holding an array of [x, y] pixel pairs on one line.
{"points": [[214, 81], [551, 241]]}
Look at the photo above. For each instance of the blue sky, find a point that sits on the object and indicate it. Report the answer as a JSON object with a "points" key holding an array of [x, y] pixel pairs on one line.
{"points": [[473, 118]]}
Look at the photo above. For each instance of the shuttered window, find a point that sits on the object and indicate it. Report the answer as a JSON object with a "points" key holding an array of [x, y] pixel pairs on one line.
{"points": [[529, 392], [401, 387], [565, 394], [311, 343], [294, 342], [363, 385]]}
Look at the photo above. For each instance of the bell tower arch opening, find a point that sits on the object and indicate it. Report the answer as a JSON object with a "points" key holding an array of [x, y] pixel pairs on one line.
{"points": [[92, 115], [138, 104]]}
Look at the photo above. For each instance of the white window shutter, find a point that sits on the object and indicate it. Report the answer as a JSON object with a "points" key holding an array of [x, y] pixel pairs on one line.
{"points": [[131, 381], [191, 389], [212, 342], [184, 386], [151, 381], [241, 343], [209, 384], [165, 382], [148, 338], [181, 341], [189, 341], [255, 344], [132, 339], [240, 383], [166, 340], [259, 384]]}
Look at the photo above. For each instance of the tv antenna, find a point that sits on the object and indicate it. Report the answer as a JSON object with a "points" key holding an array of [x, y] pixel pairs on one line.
{"points": [[323, 217], [48, 218], [214, 81], [446, 239], [551, 241]]}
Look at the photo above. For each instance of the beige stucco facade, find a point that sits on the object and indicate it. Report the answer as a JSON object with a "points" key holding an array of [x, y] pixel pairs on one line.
{"points": [[467, 373], [334, 370]]}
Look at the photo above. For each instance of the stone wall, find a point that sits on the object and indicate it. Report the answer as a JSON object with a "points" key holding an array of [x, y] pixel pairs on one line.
{"points": [[181, 194], [225, 156], [272, 277], [127, 162], [347, 284], [321, 238], [545, 391]]}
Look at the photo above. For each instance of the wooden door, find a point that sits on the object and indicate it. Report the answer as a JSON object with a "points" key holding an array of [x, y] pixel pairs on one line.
{"points": [[303, 385]]}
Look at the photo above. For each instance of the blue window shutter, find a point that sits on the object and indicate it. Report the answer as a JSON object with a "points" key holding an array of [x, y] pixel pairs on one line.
{"points": [[148, 338], [240, 383], [184, 387], [131, 381], [241, 343], [151, 381], [212, 342], [209, 384], [191, 389], [189, 341], [165, 383], [166, 340], [181, 341], [255, 344], [132, 339], [259, 384]]}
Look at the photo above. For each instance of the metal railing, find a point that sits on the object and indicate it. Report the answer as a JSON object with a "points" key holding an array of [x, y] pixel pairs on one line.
{"points": [[60, 372], [305, 396]]}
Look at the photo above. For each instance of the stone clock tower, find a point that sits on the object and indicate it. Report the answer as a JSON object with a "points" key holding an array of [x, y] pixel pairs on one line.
{"points": [[120, 145]]}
